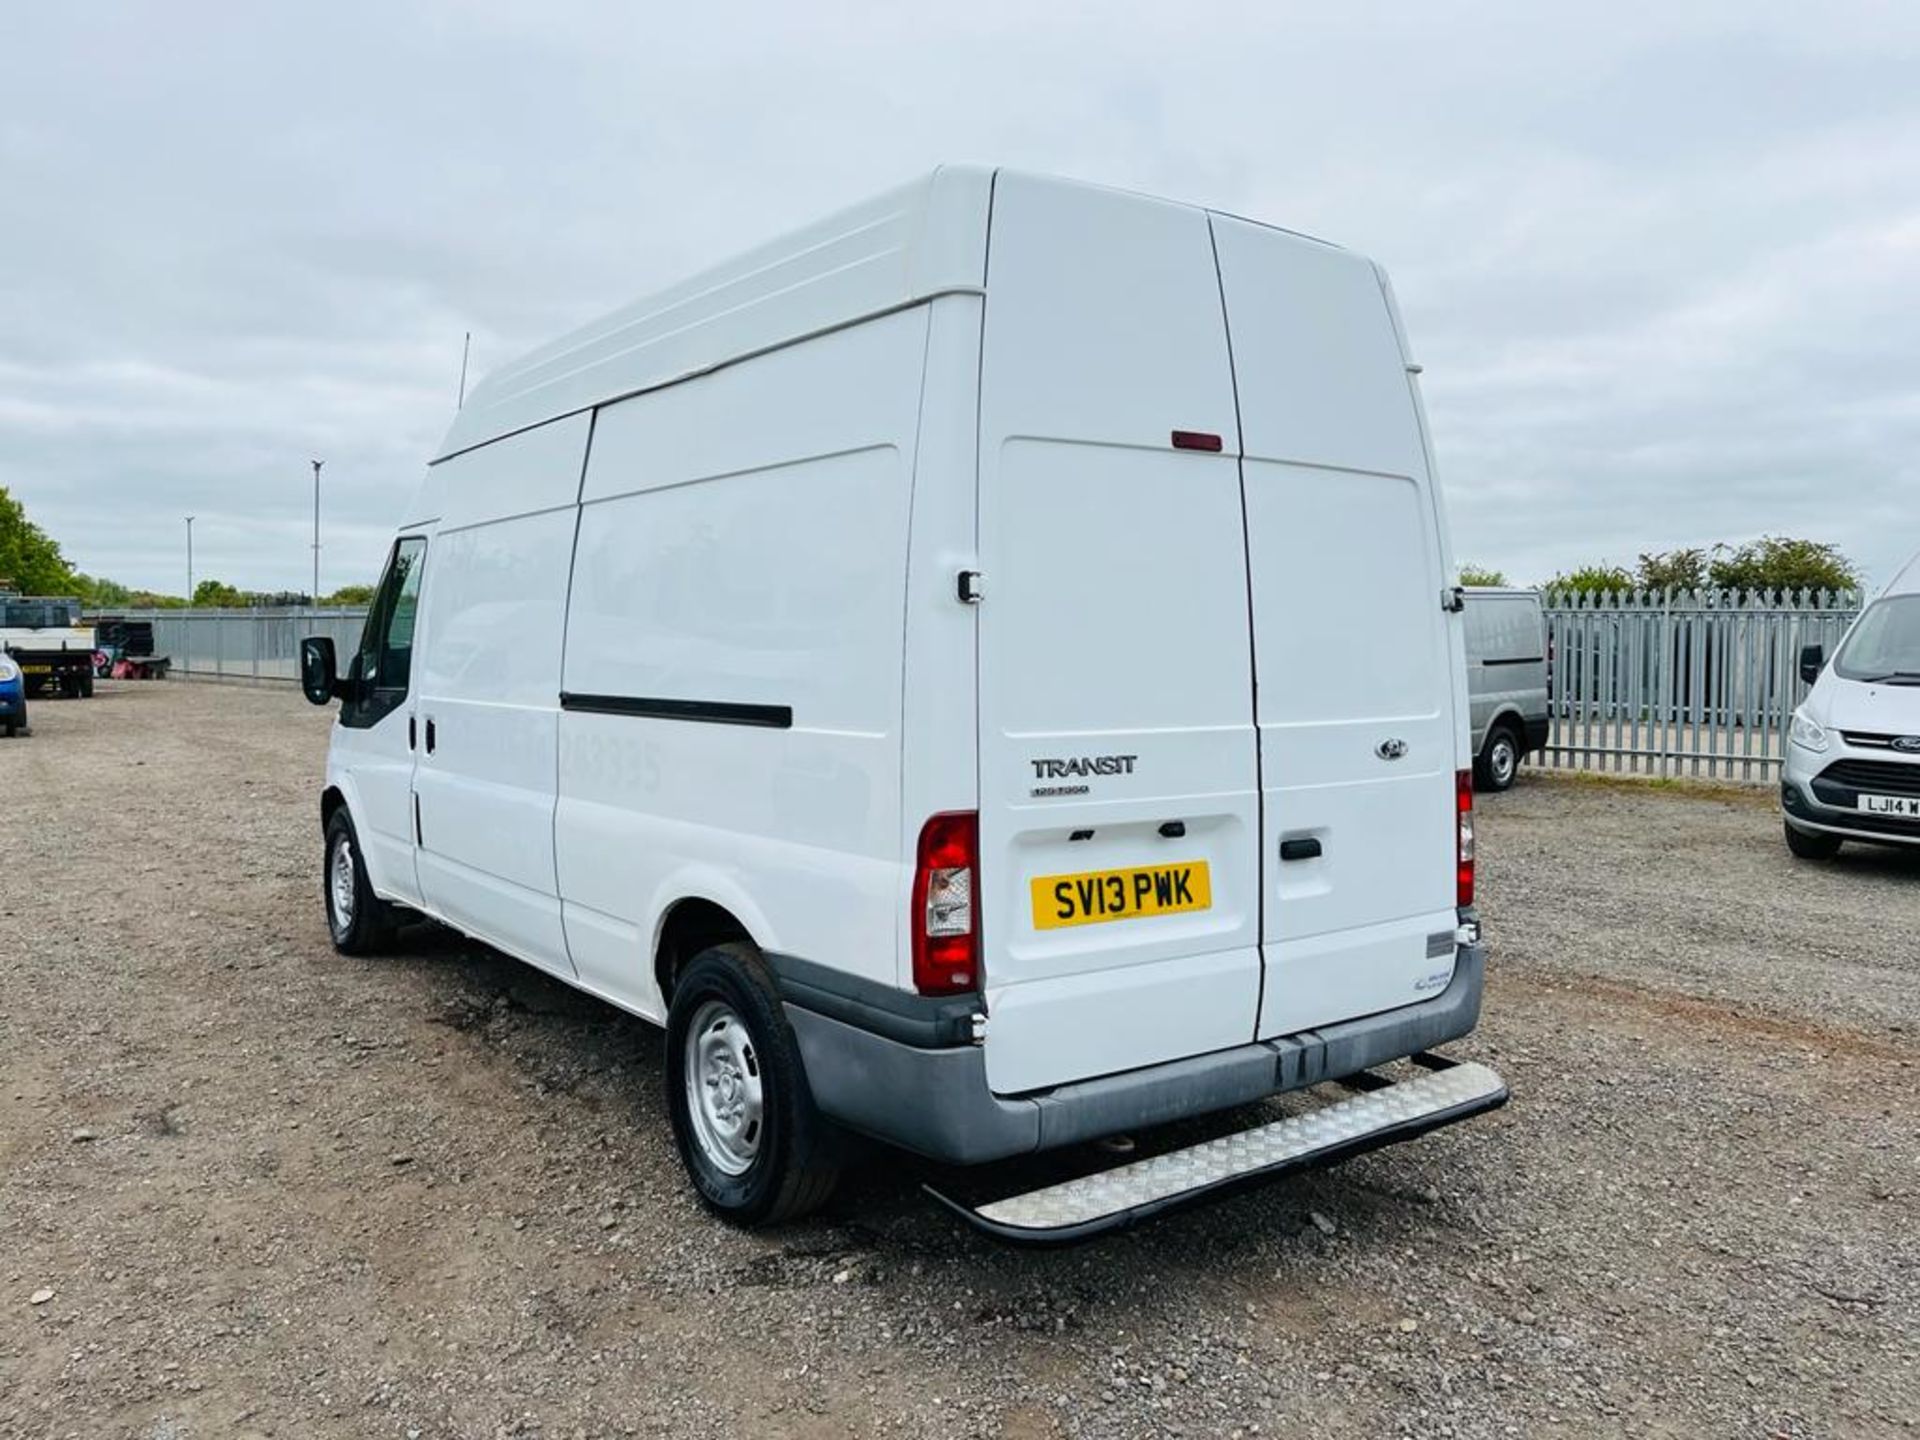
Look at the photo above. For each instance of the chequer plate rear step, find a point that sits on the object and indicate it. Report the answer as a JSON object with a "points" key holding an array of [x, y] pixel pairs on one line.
{"points": [[1382, 1112]]}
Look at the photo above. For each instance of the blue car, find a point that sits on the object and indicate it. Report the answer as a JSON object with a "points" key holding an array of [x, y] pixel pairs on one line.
{"points": [[13, 698]]}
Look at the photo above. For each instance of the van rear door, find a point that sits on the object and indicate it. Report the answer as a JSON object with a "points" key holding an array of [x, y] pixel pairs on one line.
{"points": [[1119, 825], [1353, 677]]}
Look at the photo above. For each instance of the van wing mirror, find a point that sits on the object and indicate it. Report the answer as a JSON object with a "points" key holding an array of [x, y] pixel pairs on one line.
{"points": [[1812, 657], [318, 679]]}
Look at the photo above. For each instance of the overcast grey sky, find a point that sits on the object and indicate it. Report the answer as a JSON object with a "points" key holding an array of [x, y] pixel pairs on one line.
{"points": [[1663, 270]]}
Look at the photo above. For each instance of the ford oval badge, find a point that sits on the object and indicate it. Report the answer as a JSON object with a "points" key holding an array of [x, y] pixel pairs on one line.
{"points": [[1390, 749], [1909, 744]]}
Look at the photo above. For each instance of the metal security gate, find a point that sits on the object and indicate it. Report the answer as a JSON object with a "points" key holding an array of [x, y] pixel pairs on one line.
{"points": [[1698, 683]]}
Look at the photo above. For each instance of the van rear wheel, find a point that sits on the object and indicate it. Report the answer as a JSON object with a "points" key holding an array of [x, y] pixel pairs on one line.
{"points": [[1499, 761], [743, 1117]]}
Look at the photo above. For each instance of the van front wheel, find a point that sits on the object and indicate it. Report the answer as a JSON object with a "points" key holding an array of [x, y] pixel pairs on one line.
{"points": [[1811, 844], [358, 921], [755, 1147]]}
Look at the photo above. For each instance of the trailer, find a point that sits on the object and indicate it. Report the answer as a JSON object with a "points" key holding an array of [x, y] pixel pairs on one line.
{"points": [[44, 637], [126, 650]]}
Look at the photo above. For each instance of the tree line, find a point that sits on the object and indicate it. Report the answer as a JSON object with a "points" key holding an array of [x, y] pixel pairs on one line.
{"points": [[1773, 562], [31, 563]]}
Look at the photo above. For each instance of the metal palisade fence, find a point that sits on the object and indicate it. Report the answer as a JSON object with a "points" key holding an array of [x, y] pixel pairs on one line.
{"points": [[248, 644], [1693, 683]]}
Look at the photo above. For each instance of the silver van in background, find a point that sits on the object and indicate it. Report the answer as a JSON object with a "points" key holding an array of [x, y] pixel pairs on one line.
{"points": [[1506, 681], [1853, 756]]}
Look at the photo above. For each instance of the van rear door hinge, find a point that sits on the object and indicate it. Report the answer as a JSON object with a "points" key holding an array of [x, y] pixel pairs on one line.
{"points": [[1453, 599], [968, 585]]}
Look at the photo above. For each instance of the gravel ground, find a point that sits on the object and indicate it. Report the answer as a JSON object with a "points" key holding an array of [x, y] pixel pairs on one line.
{"points": [[272, 1191]]}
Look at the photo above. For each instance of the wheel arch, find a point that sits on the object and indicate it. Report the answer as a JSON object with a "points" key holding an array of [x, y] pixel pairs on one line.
{"points": [[687, 926], [1508, 718]]}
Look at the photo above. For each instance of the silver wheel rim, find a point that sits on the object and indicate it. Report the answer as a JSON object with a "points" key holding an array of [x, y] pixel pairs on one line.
{"points": [[725, 1098], [340, 884], [1504, 762]]}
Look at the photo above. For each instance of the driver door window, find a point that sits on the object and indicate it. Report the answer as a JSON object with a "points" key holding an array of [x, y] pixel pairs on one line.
{"points": [[384, 666]]}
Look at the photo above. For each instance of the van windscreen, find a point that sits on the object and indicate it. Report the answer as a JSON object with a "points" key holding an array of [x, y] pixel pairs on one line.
{"points": [[1885, 646]]}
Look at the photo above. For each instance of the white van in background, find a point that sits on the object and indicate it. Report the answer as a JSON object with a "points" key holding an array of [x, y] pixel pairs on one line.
{"points": [[1853, 753], [983, 671]]}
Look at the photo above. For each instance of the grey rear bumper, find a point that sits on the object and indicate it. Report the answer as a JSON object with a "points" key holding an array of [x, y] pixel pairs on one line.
{"points": [[936, 1101]]}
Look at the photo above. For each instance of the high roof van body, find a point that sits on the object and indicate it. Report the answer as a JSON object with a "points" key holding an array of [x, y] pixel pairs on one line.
{"points": [[984, 671]]}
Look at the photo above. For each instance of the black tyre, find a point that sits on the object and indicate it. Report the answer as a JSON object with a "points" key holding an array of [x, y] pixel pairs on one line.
{"points": [[1499, 760], [86, 684], [1811, 844], [12, 728], [755, 1147], [358, 921]]}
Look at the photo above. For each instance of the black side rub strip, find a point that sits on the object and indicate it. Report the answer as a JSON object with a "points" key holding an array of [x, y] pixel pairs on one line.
{"points": [[711, 712], [1516, 660]]}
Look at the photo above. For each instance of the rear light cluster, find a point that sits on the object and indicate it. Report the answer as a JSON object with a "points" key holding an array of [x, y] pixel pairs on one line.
{"points": [[1463, 842], [946, 908]]}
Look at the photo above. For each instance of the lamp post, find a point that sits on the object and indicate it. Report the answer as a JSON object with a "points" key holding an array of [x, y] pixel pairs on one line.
{"points": [[189, 559], [315, 599]]}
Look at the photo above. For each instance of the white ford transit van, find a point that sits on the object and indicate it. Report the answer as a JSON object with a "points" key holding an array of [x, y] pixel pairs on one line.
{"points": [[1853, 753], [983, 672]]}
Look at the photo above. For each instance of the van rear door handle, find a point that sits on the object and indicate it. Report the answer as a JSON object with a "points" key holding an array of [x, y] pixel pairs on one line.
{"points": [[1306, 847]]}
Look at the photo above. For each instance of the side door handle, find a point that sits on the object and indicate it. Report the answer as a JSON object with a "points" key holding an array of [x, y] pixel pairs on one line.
{"points": [[430, 735], [412, 735], [1305, 847]]}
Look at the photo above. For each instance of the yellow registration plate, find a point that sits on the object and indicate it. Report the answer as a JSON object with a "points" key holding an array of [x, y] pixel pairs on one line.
{"points": [[1096, 896]]}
